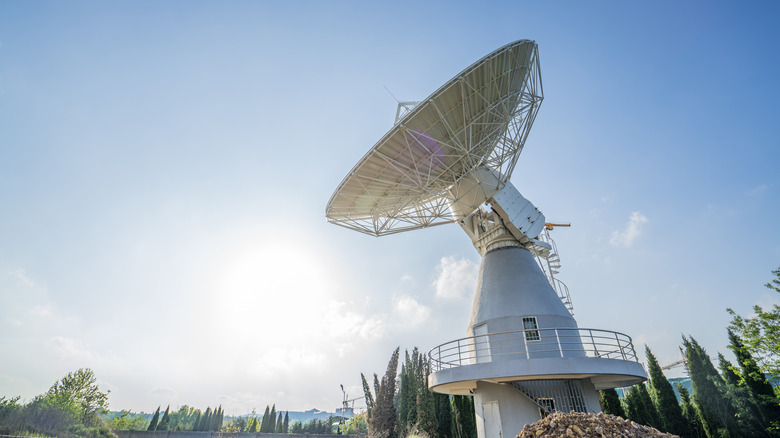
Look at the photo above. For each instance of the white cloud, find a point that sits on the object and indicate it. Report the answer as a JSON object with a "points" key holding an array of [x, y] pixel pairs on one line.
{"points": [[633, 230], [164, 392], [757, 190], [457, 278], [411, 312], [72, 349]]}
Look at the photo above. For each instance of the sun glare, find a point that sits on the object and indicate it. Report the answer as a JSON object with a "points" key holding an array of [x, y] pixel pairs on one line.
{"points": [[261, 287]]}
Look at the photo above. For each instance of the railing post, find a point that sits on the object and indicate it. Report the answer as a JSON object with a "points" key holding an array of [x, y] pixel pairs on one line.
{"points": [[558, 339], [593, 341], [622, 353], [525, 344]]}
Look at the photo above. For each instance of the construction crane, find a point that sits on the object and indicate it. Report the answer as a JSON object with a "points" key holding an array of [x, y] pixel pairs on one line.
{"points": [[345, 407], [683, 362]]}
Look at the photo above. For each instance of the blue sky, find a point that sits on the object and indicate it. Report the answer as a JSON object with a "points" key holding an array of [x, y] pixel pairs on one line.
{"points": [[164, 170]]}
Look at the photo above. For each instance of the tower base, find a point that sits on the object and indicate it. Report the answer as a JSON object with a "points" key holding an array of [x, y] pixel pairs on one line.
{"points": [[502, 410]]}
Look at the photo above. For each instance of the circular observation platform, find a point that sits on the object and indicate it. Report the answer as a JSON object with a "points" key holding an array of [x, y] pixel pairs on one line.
{"points": [[606, 358]]}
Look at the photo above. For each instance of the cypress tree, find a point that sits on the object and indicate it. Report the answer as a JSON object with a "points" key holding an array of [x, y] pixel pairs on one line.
{"points": [[286, 422], [271, 427], [163, 425], [764, 396], [426, 403], [610, 403], [220, 418], [407, 396], [464, 419], [155, 419], [426, 413], [196, 421], [280, 424], [383, 418], [367, 395], [714, 409], [253, 425], [666, 403], [443, 415], [636, 408], [655, 418], [266, 419], [690, 413], [208, 417]]}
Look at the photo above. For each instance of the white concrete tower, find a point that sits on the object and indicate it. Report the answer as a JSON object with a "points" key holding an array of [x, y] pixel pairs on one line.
{"points": [[524, 355]]}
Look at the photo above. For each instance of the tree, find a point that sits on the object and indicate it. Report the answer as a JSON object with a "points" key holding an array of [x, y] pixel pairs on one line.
{"points": [[640, 408], [367, 394], [196, 423], [163, 425], [610, 403], [357, 424], [463, 418], [665, 400], [763, 395], [426, 413], [286, 421], [407, 393], [124, 421], [761, 333], [383, 416], [271, 427], [217, 424], [690, 413], [79, 390], [280, 424], [182, 419], [745, 412], [715, 411], [205, 420], [155, 419], [443, 415], [264, 424]]}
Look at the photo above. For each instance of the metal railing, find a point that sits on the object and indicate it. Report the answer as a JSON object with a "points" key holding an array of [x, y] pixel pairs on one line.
{"points": [[533, 344]]}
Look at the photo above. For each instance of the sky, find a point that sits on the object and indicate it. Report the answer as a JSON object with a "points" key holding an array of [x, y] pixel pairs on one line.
{"points": [[165, 166]]}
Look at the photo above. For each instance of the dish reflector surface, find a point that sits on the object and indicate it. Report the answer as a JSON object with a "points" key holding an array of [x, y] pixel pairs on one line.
{"points": [[478, 119]]}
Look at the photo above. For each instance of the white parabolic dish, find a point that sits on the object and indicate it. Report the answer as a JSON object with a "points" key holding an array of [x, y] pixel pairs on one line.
{"points": [[478, 119]]}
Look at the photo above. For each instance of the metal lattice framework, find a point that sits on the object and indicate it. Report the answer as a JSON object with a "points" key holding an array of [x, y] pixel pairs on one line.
{"points": [[480, 118]]}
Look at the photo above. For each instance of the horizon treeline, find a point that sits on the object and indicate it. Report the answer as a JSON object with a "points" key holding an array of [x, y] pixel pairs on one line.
{"points": [[187, 418]]}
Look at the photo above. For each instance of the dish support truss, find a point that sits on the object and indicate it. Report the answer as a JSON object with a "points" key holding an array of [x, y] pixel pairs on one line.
{"points": [[443, 139]]}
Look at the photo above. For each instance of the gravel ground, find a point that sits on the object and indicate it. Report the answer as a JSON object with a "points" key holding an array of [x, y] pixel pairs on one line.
{"points": [[579, 424]]}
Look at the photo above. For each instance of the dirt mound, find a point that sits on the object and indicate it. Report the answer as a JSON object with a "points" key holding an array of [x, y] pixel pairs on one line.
{"points": [[580, 424]]}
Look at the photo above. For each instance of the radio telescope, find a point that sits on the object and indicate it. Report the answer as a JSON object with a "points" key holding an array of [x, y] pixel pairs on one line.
{"points": [[449, 158]]}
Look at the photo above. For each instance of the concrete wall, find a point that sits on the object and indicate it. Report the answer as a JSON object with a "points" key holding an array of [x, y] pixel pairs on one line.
{"points": [[190, 434]]}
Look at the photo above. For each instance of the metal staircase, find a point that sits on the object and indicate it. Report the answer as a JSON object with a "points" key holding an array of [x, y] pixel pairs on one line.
{"points": [[546, 252], [554, 395]]}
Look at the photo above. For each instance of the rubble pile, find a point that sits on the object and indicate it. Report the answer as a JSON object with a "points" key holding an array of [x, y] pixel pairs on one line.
{"points": [[581, 424]]}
